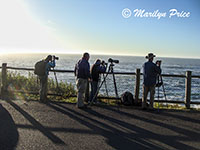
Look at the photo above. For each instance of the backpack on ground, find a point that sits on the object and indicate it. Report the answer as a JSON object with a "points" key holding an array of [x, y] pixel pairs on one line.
{"points": [[127, 98], [40, 68]]}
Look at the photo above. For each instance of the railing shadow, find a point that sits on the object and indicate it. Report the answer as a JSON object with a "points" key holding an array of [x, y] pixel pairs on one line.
{"points": [[187, 134], [116, 137], [141, 133], [37, 125], [9, 135]]}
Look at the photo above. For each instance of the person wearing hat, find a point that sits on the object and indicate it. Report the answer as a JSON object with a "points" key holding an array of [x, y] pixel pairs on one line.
{"points": [[150, 72], [97, 68]]}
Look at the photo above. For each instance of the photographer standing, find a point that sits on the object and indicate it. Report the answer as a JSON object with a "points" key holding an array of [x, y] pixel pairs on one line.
{"points": [[150, 72], [97, 68], [82, 73], [42, 70]]}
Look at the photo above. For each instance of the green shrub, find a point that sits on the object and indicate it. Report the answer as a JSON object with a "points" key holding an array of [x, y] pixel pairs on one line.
{"points": [[16, 81]]}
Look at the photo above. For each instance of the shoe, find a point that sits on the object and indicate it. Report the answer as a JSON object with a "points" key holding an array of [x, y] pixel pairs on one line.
{"points": [[83, 107], [151, 109], [144, 108]]}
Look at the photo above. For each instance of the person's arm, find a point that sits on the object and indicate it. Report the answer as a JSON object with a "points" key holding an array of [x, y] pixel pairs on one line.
{"points": [[101, 69], [49, 65], [52, 64]]}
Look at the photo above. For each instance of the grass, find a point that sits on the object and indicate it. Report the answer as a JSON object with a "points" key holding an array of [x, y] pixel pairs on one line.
{"points": [[18, 82]]}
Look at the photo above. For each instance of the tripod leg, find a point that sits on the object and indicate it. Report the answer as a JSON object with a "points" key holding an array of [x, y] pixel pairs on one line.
{"points": [[164, 90], [95, 95], [158, 93], [56, 80], [105, 85], [106, 89], [115, 85], [116, 93]]}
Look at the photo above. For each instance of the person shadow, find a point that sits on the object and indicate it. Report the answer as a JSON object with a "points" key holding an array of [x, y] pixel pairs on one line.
{"points": [[9, 135]]}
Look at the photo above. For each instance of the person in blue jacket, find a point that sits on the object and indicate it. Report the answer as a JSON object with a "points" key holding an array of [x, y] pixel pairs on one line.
{"points": [[50, 63], [82, 73], [150, 73]]}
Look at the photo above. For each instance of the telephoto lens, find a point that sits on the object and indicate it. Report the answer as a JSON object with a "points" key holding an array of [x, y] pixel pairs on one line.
{"points": [[113, 61], [56, 58]]}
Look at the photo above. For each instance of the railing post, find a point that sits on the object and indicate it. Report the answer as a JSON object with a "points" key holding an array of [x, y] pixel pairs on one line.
{"points": [[188, 89], [4, 81], [137, 85]]}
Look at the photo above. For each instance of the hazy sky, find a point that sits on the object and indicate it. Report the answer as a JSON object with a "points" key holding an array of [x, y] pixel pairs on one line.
{"points": [[97, 26]]}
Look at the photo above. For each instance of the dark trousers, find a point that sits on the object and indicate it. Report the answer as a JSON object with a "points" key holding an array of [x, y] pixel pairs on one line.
{"points": [[94, 86], [43, 88]]}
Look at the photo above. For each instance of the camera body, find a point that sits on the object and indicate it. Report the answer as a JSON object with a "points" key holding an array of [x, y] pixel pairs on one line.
{"points": [[158, 62], [103, 63], [55, 58], [113, 61]]}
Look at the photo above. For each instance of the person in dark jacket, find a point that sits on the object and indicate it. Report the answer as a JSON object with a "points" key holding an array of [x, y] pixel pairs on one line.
{"points": [[82, 73], [96, 69], [150, 73]]}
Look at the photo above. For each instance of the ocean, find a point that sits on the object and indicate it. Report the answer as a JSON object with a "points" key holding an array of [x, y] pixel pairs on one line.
{"points": [[174, 87]]}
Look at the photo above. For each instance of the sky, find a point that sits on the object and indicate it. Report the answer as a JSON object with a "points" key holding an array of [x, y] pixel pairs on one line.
{"points": [[98, 27]]}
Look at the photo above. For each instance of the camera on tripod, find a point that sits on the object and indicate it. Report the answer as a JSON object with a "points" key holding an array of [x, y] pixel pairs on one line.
{"points": [[110, 71], [113, 60], [158, 62], [56, 58], [104, 63]]}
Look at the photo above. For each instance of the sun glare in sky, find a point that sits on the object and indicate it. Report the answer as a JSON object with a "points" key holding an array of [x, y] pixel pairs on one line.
{"points": [[20, 32], [52, 26]]}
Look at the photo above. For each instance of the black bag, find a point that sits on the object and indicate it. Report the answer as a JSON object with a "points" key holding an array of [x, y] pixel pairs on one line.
{"points": [[127, 98], [40, 68]]}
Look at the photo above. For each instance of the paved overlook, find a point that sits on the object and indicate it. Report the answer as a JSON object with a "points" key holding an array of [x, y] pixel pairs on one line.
{"points": [[33, 126]]}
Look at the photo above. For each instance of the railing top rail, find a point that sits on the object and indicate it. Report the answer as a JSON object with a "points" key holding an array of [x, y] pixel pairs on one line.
{"points": [[117, 73]]}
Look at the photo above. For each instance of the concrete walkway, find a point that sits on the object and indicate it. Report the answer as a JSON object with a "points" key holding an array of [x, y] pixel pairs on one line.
{"points": [[35, 126]]}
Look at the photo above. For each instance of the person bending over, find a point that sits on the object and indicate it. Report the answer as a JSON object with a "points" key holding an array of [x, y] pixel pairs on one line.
{"points": [[97, 68]]}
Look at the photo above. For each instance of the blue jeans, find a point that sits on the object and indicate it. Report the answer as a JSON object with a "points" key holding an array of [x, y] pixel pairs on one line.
{"points": [[94, 86]]}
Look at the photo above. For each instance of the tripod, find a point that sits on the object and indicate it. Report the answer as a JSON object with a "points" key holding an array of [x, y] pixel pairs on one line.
{"points": [[160, 83], [56, 80], [110, 70]]}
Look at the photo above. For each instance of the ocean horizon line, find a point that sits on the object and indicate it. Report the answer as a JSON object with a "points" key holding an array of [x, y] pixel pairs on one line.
{"points": [[94, 54]]}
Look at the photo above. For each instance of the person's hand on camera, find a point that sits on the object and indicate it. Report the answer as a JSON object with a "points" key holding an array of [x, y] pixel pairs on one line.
{"points": [[158, 63], [103, 63]]}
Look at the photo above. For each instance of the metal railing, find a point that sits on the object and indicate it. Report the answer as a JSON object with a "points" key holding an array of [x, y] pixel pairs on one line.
{"points": [[188, 78]]}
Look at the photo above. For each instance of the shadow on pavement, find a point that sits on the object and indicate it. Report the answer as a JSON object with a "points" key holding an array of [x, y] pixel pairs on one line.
{"points": [[115, 130], [9, 135], [115, 137], [37, 124]]}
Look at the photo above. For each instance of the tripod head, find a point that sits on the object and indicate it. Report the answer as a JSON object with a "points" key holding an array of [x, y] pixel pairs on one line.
{"points": [[112, 61]]}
